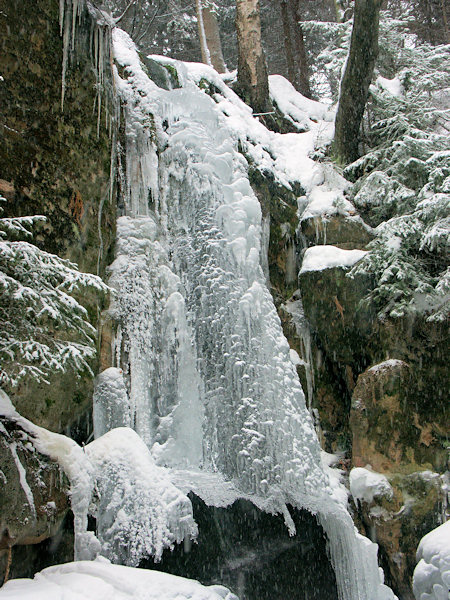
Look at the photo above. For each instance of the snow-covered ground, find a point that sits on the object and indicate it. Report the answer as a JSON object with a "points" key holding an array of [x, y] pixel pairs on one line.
{"points": [[100, 580]]}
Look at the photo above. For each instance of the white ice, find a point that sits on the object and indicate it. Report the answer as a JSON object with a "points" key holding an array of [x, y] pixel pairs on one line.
{"points": [[212, 388], [111, 406], [138, 511]]}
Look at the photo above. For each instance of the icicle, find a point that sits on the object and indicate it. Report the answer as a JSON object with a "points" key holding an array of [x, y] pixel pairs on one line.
{"points": [[74, 22], [62, 5], [65, 60]]}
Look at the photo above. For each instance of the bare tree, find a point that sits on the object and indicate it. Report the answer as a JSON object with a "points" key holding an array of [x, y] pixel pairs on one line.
{"points": [[356, 80], [302, 62], [253, 82], [288, 48]]}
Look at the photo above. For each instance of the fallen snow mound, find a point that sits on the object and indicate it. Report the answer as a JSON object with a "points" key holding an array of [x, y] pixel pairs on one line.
{"points": [[100, 580], [431, 580]]}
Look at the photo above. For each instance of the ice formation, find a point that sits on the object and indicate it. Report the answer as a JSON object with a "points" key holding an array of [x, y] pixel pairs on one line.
{"points": [[213, 392], [75, 464], [99, 579], [111, 407], [138, 511], [431, 579]]}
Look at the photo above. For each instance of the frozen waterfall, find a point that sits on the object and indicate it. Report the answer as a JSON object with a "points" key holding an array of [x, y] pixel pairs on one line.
{"points": [[212, 390]]}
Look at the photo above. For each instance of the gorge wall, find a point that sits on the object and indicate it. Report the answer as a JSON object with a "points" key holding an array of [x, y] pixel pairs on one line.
{"points": [[377, 388]]}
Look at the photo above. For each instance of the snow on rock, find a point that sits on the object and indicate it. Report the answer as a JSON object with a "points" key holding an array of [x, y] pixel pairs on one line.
{"points": [[336, 476], [292, 103], [101, 580], [386, 365], [139, 511], [431, 580], [318, 258], [327, 202], [111, 406], [6, 407], [365, 485]]}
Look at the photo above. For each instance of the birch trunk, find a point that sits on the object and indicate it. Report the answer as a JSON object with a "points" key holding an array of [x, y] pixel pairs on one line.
{"points": [[253, 82], [206, 58]]}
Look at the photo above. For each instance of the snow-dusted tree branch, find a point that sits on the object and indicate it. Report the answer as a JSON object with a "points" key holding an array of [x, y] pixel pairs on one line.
{"points": [[43, 327]]}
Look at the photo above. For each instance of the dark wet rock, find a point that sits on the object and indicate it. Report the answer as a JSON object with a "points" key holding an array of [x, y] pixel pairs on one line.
{"points": [[252, 553]]}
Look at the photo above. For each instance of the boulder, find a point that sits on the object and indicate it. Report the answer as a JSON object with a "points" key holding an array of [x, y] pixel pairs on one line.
{"points": [[344, 231]]}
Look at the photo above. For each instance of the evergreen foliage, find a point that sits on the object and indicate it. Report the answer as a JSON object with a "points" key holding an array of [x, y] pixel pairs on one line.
{"points": [[403, 179], [43, 327]]}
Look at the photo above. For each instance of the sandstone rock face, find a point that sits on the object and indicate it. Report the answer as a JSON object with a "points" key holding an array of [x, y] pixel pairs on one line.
{"points": [[380, 390], [387, 434], [53, 163]]}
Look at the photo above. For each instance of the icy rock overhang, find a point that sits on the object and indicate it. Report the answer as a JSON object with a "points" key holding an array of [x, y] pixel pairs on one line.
{"points": [[70, 459], [100, 579], [212, 387], [34, 495], [85, 28], [115, 479]]}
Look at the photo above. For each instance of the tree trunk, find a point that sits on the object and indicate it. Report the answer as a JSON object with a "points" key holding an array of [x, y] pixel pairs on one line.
{"points": [[206, 57], [212, 35], [288, 43], [356, 80], [303, 74], [253, 82]]}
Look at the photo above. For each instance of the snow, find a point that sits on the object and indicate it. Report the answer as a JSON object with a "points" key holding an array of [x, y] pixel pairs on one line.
{"points": [[336, 476], [292, 103], [318, 258], [327, 202], [98, 580], [391, 363], [295, 358], [393, 86], [366, 485], [139, 511], [431, 580], [6, 407]]}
